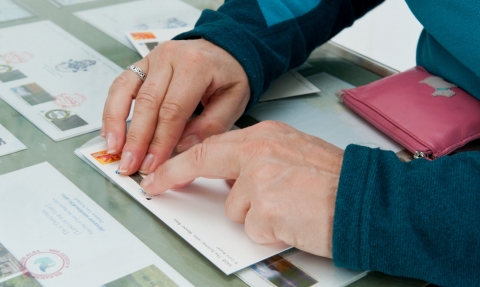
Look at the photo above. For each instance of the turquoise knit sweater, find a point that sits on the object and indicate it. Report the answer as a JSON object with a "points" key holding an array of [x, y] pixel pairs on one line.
{"points": [[419, 219]]}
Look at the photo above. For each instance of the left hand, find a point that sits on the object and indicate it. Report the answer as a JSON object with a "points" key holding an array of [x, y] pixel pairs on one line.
{"points": [[285, 188]]}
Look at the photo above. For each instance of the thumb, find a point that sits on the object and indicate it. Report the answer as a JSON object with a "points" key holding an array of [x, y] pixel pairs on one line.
{"points": [[218, 116]]}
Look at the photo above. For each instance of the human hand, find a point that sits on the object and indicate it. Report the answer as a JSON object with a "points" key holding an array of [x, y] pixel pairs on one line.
{"points": [[285, 188], [180, 75]]}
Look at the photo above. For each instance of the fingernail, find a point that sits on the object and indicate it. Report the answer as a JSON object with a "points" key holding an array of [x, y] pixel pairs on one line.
{"points": [[147, 162], [187, 142], [111, 143], [126, 161], [147, 181]]}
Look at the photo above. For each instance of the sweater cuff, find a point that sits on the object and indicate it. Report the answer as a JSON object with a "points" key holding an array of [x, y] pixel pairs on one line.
{"points": [[226, 33], [352, 208]]}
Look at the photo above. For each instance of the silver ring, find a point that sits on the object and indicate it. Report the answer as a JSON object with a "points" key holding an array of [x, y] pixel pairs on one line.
{"points": [[137, 71]]}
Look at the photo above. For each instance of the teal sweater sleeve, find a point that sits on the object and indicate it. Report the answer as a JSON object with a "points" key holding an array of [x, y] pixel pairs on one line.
{"points": [[269, 37], [419, 219]]}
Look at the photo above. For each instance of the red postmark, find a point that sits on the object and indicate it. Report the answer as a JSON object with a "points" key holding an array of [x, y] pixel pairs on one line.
{"points": [[16, 58], [45, 264], [69, 100]]}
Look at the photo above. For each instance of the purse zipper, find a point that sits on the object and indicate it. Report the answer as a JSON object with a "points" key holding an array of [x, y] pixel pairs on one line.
{"points": [[421, 154], [416, 155]]}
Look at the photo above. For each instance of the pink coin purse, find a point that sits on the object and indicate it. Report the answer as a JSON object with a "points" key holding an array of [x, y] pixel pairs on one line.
{"points": [[425, 114]]}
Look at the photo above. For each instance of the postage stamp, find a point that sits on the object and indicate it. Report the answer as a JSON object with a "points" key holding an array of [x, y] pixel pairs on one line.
{"points": [[142, 35], [63, 119], [104, 158], [11, 75], [33, 94], [69, 100]]}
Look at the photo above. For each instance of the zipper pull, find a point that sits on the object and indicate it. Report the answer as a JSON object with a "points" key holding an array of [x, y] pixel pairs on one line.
{"points": [[339, 95], [420, 154]]}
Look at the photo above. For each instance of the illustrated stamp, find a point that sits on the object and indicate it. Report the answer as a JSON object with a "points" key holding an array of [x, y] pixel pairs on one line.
{"points": [[33, 94], [16, 58], [104, 158], [45, 264], [142, 35], [64, 119], [72, 66], [69, 100]]}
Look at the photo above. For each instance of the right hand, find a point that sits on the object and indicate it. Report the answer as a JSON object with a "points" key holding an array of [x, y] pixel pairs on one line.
{"points": [[180, 75]]}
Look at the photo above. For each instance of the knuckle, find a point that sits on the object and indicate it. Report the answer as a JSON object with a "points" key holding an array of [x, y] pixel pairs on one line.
{"points": [[171, 111], [136, 139], [230, 213], [146, 99], [197, 154], [213, 139], [273, 125], [120, 82], [109, 118]]}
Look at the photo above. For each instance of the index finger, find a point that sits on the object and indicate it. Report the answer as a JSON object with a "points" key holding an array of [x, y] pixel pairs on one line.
{"points": [[117, 107], [213, 158]]}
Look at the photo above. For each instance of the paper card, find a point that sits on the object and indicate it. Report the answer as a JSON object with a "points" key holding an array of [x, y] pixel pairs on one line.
{"points": [[9, 143], [297, 268], [142, 15], [70, 2], [61, 87], [195, 212], [55, 235], [324, 116], [145, 41], [290, 84], [11, 10]]}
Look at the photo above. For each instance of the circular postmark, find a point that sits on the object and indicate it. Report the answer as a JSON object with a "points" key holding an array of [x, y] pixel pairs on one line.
{"points": [[16, 57], [72, 66], [57, 114], [5, 69], [69, 100], [45, 264]]}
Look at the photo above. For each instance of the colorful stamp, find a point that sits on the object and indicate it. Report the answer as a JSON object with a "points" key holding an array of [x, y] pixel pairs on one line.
{"points": [[33, 94], [104, 158], [12, 273], [69, 100], [281, 272], [142, 35], [45, 264], [63, 119], [11, 75], [72, 66], [16, 58]]}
